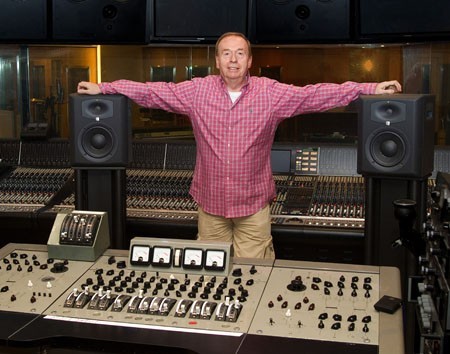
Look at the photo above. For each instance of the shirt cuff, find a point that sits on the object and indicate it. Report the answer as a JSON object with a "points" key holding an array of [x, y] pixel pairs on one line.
{"points": [[369, 88], [106, 88]]}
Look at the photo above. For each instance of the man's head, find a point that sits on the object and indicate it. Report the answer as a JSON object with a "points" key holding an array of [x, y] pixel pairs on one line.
{"points": [[235, 34], [233, 58]]}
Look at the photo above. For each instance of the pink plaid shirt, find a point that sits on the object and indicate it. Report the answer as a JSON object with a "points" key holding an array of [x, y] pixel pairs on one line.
{"points": [[233, 174]]}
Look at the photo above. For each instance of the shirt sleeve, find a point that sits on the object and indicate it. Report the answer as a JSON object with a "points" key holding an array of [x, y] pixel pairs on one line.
{"points": [[292, 100], [168, 96]]}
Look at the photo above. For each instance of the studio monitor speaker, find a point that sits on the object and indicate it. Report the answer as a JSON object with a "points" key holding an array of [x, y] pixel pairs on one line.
{"points": [[100, 21], [23, 20], [403, 18], [100, 131], [294, 21], [396, 135]]}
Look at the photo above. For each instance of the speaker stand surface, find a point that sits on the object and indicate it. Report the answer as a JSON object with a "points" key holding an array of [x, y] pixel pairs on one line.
{"points": [[104, 190], [382, 228]]}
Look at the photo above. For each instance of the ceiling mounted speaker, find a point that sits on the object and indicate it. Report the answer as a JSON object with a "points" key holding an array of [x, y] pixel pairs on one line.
{"points": [[197, 21], [404, 20], [300, 21], [100, 21], [100, 131], [396, 135], [23, 20]]}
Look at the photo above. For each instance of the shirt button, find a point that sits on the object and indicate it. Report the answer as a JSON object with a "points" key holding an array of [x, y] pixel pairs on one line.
{"points": [[229, 145]]}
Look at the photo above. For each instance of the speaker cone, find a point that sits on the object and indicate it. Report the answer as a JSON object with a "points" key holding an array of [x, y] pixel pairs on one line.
{"points": [[387, 149], [97, 143]]}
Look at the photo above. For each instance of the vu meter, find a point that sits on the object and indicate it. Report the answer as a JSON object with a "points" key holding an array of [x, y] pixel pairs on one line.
{"points": [[193, 258], [162, 256], [140, 255], [215, 260]]}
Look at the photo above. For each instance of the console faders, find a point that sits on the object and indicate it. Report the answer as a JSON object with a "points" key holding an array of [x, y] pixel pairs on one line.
{"points": [[111, 290]]}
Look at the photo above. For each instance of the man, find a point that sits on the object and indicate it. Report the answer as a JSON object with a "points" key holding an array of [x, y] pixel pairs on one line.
{"points": [[234, 118]]}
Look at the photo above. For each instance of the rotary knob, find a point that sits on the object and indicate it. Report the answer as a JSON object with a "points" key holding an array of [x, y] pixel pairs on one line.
{"points": [[58, 267], [296, 285]]}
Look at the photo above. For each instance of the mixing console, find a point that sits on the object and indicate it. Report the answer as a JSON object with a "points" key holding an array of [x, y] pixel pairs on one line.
{"points": [[191, 295], [330, 201], [320, 305], [31, 281], [158, 203], [319, 201], [27, 188]]}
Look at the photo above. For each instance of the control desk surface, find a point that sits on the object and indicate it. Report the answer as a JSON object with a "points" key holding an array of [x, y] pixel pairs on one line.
{"points": [[251, 307]]}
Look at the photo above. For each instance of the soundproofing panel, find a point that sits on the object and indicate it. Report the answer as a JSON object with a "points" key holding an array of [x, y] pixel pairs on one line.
{"points": [[100, 130], [297, 21], [100, 21], [396, 135], [400, 18], [23, 20]]}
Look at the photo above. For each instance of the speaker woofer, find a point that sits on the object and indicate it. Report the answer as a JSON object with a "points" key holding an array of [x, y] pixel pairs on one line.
{"points": [[97, 143], [387, 149]]}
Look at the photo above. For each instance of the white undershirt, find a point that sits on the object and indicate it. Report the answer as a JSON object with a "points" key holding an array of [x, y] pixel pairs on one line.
{"points": [[234, 95]]}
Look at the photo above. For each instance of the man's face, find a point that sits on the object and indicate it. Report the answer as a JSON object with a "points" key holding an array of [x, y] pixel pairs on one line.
{"points": [[232, 59]]}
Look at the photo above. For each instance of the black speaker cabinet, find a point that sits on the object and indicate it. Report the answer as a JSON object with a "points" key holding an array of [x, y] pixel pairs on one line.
{"points": [[414, 19], [396, 135], [197, 20], [100, 130], [297, 21], [23, 20], [100, 21]]}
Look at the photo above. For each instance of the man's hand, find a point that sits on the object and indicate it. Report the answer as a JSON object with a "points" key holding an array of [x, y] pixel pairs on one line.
{"points": [[392, 86], [89, 88]]}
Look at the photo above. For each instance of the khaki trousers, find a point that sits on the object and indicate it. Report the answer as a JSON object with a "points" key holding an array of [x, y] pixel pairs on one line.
{"points": [[250, 235]]}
